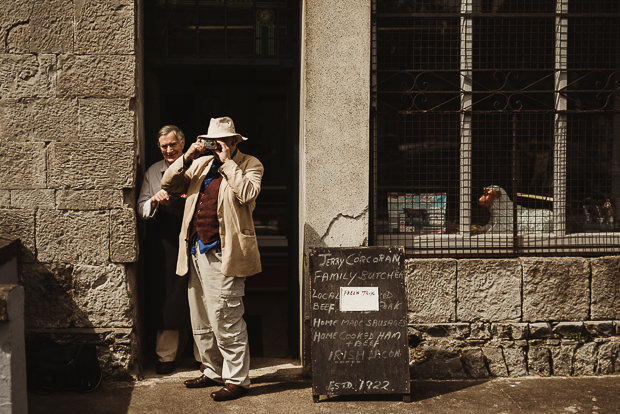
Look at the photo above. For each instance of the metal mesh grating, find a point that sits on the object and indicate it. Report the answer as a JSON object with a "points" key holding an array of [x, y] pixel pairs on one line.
{"points": [[496, 126], [221, 29]]}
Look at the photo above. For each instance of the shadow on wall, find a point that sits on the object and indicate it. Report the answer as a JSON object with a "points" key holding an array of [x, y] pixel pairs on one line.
{"points": [[66, 302], [442, 362], [69, 304], [50, 296]]}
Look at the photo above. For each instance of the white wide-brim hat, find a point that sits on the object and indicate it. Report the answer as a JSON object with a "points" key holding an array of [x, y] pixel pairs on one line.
{"points": [[221, 128]]}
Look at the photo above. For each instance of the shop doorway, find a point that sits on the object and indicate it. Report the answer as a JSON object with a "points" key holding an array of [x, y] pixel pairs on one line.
{"points": [[238, 58]]}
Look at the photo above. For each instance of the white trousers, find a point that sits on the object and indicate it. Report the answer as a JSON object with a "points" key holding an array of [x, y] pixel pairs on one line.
{"points": [[216, 312], [167, 345]]}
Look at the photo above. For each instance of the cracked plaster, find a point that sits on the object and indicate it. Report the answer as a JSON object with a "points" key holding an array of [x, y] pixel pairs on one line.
{"points": [[346, 230]]}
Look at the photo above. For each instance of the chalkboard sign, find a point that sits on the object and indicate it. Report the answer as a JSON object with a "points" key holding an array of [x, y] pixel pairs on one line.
{"points": [[358, 319]]}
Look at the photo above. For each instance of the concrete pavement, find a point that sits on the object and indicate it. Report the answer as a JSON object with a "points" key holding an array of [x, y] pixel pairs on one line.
{"points": [[278, 387]]}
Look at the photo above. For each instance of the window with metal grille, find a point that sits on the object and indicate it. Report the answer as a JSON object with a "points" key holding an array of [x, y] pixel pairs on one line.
{"points": [[495, 126], [212, 30]]}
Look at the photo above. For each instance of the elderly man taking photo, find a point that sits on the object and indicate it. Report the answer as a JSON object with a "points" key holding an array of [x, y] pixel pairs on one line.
{"points": [[218, 247]]}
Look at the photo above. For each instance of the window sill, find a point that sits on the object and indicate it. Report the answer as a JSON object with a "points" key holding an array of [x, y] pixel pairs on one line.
{"points": [[502, 243]]}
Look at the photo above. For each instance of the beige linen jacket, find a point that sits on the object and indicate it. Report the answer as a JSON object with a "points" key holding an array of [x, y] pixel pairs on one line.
{"points": [[235, 203]]}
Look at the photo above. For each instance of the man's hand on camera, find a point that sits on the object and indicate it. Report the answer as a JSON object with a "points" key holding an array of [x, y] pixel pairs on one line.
{"points": [[194, 151], [224, 151]]}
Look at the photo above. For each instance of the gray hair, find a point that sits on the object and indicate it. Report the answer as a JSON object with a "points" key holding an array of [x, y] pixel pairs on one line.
{"points": [[166, 129]]}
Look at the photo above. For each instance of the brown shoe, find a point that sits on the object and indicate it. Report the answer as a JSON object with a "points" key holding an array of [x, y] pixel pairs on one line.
{"points": [[164, 368], [200, 382], [229, 392]]}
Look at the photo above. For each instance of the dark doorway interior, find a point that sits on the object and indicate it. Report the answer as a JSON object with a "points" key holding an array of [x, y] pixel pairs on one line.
{"points": [[260, 93]]}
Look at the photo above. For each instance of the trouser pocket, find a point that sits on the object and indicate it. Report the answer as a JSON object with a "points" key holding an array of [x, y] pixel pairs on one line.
{"points": [[231, 326]]}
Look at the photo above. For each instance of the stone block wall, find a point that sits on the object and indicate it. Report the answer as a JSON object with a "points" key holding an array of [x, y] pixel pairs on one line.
{"points": [[513, 317], [68, 144]]}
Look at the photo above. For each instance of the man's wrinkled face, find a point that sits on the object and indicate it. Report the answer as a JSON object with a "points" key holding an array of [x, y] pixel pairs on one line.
{"points": [[170, 146]]}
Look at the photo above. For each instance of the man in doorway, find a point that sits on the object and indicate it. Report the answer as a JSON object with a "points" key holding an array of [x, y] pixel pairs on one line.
{"points": [[164, 211], [218, 247]]}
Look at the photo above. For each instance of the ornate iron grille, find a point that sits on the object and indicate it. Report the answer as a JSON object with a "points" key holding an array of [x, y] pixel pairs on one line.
{"points": [[495, 126], [218, 30]]}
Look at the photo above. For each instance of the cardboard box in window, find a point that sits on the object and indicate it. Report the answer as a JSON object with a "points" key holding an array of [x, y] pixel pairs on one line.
{"points": [[423, 213]]}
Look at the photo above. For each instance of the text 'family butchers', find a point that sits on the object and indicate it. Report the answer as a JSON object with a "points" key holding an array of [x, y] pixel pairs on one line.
{"points": [[320, 276]]}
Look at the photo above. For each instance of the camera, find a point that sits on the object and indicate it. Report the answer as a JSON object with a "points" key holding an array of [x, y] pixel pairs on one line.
{"points": [[209, 144]]}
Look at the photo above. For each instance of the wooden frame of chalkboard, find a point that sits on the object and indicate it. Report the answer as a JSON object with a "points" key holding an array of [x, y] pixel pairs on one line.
{"points": [[358, 319]]}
